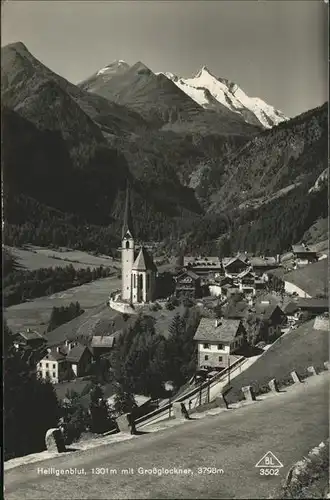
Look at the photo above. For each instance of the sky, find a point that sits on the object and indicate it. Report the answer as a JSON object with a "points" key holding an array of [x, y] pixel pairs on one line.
{"points": [[273, 49]]}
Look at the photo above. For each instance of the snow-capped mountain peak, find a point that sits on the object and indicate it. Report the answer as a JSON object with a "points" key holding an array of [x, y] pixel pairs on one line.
{"points": [[212, 92], [113, 67]]}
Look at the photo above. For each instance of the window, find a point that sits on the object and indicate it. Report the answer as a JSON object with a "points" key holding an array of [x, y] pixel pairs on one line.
{"points": [[40, 364], [54, 374], [127, 244], [220, 346], [206, 346], [134, 280], [206, 357], [47, 374], [54, 366], [47, 366], [220, 358]]}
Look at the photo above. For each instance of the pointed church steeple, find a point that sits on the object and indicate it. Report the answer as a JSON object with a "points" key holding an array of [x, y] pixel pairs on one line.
{"points": [[127, 225]]}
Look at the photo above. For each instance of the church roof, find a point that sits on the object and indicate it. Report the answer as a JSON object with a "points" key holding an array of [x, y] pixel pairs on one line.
{"points": [[144, 261], [128, 224]]}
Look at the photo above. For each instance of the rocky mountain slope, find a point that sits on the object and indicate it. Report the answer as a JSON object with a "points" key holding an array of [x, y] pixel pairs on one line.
{"points": [[216, 93], [68, 152], [162, 103]]}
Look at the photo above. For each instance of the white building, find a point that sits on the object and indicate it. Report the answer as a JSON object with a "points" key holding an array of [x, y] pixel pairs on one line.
{"points": [[217, 340]]}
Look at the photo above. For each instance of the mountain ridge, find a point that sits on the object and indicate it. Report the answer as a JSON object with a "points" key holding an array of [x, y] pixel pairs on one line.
{"points": [[72, 151]]}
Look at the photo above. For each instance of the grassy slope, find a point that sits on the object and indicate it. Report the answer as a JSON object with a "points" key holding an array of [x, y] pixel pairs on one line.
{"points": [[312, 278], [294, 351], [32, 258]]}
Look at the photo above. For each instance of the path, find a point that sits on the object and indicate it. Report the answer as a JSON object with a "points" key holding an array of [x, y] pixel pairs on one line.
{"points": [[288, 424]]}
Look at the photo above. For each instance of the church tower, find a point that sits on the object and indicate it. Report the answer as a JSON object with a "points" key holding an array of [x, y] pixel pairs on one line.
{"points": [[127, 251]]}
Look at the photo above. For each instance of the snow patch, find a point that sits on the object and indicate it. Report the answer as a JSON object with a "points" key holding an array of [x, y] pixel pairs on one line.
{"points": [[206, 90]]}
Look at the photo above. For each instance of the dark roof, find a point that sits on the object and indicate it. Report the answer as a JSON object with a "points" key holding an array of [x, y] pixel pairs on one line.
{"points": [[224, 332], [144, 261], [105, 341], [128, 224], [313, 303], [242, 260], [266, 310], [238, 310], [291, 308], [75, 354]]}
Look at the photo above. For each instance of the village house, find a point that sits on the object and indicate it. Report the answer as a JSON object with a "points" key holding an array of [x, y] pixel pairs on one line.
{"points": [[204, 266], [102, 344], [53, 365], [187, 284], [29, 338], [237, 265], [312, 306], [262, 264], [303, 255], [64, 362], [217, 341], [79, 358], [272, 320]]}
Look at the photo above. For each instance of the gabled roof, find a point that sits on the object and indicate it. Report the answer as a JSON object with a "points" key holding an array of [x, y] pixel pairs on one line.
{"points": [[144, 261], [225, 331], [190, 273], [246, 272], [103, 341], [236, 259], [53, 356], [266, 310], [75, 354]]}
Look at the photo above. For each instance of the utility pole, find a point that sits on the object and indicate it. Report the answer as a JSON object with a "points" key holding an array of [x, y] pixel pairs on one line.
{"points": [[229, 366]]}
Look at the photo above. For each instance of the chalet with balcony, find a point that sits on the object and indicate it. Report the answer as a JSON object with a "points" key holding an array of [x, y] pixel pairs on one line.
{"points": [[204, 266], [237, 265], [188, 284], [217, 342], [302, 254]]}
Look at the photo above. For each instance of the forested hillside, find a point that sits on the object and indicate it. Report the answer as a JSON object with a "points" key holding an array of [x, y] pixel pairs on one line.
{"points": [[200, 180]]}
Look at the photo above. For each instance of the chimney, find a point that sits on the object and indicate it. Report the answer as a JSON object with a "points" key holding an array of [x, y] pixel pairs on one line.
{"points": [[57, 349], [217, 322]]}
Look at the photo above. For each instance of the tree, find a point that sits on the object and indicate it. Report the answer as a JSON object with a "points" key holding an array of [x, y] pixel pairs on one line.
{"points": [[124, 401], [99, 411], [31, 405]]}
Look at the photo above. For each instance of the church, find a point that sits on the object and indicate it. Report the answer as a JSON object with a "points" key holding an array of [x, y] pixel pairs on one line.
{"points": [[138, 268]]}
